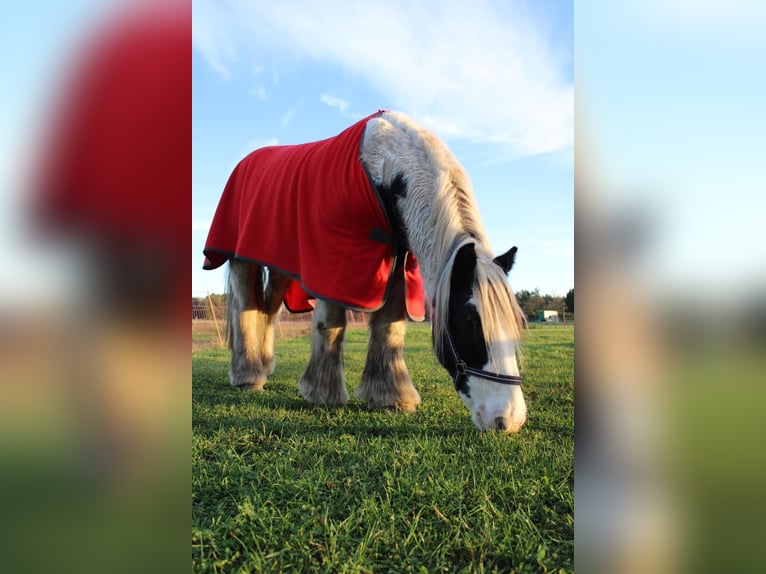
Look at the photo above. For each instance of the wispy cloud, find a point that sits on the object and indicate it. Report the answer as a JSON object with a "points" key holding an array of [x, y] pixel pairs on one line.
{"points": [[210, 27], [479, 70], [259, 93], [334, 102], [288, 116]]}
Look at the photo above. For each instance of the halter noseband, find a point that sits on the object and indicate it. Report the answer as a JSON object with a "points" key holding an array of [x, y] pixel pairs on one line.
{"points": [[462, 369]]}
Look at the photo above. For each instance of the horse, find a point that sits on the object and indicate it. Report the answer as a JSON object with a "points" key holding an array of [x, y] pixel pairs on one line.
{"points": [[425, 241]]}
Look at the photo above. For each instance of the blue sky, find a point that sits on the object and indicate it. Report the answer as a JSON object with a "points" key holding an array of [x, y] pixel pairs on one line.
{"points": [[38, 42], [671, 122], [493, 79], [669, 108]]}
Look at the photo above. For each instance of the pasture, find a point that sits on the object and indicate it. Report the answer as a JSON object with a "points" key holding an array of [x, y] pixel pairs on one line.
{"points": [[280, 486]]}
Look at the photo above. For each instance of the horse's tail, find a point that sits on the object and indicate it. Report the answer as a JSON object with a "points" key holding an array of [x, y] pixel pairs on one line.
{"points": [[229, 321], [235, 303]]}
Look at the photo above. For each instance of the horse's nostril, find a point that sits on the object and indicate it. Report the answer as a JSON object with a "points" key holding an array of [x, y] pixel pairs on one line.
{"points": [[500, 423]]}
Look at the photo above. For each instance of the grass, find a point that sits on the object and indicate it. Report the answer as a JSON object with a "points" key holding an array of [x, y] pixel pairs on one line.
{"points": [[280, 486]]}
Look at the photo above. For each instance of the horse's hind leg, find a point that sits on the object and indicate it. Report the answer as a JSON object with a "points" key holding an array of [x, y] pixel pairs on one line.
{"points": [[323, 383], [386, 382], [251, 313]]}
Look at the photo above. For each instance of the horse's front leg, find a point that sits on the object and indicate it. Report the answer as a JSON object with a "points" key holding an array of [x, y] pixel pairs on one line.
{"points": [[323, 382], [386, 382]]}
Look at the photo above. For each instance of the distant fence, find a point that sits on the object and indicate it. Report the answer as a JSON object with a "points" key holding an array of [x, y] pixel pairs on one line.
{"points": [[209, 319]]}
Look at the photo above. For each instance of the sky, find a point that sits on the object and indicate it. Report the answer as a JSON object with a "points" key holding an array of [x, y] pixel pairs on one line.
{"points": [[669, 114], [670, 122], [494, 80], [37, 41]]}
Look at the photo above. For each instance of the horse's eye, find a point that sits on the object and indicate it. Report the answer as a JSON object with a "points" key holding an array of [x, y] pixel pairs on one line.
{"points": [[473, 323]]}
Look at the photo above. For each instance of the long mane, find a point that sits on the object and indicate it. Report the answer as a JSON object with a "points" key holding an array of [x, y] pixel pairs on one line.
{"points": [[441, 216]]}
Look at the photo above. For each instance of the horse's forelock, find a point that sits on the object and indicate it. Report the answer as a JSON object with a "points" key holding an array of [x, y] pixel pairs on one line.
{"points": [[501, 317]]}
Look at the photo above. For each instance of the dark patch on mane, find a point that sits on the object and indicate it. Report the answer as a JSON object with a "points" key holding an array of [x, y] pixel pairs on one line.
{"points": [[389, 194]]}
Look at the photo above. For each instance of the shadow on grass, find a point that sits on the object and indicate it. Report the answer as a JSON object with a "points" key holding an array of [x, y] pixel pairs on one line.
{"points": [[296, 417]]}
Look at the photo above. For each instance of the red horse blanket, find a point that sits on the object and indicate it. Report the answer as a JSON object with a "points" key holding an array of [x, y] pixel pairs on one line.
{"points": [[311, 212]]}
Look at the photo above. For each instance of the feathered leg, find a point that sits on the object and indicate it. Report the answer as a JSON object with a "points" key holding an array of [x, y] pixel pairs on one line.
{"points": [[386, 382], [251, 315], [323, 382]]}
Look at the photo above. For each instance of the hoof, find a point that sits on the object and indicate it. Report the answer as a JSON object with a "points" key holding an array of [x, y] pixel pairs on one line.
{"points": [[323, 396], [402, 408], [404, 400], [412, 409], [255, 387], [249, 384], [399, 407]]}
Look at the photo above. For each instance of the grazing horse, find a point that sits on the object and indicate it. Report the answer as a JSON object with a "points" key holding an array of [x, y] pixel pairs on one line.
{"points": [[374, 219]]}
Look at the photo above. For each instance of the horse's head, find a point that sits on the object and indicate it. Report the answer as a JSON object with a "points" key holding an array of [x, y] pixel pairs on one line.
{"points": [[480, 338]]}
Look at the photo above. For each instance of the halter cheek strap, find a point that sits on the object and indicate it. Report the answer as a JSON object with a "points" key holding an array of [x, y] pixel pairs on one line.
{"points": [[462, 370]]}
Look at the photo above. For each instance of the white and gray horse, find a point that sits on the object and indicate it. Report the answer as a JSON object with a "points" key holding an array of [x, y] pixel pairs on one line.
{"points": [[476, 322]]}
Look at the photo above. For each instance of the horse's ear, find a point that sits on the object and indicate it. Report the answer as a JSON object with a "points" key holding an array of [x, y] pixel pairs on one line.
{"points": [[505, 261], [464, 269]]}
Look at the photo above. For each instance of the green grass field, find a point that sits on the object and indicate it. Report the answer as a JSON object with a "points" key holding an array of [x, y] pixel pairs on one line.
{"points": [[280, 486]]}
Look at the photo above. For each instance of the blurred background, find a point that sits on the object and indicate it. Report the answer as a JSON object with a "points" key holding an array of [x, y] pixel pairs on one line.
{"points": [[670, 201], [670, 208], [95, 179]]}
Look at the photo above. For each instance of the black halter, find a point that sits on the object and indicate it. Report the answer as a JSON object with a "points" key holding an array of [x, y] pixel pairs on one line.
{"points": [[462, 369]]}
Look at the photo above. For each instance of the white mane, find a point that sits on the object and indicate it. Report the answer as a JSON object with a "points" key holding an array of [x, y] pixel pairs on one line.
{"points": [[440, 215]]}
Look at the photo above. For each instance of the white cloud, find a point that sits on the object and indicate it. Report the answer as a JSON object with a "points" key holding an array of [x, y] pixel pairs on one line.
{"points": [[466, 67], [288, 116], [259, 93], [334, 102], [210, 25]]}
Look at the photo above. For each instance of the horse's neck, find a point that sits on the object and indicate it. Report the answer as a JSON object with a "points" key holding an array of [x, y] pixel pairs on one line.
{"points": [[439, 272], [436, 219], [435, 251]]}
